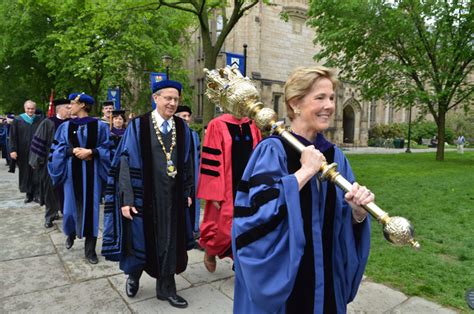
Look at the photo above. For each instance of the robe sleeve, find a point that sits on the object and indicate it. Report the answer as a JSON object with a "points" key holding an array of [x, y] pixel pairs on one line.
{"points": [[102, 151], [125, 184], [189, 171], [211, 184], [14, 136], [354, 239], [59, 155], [267, 235], [39, 145]]}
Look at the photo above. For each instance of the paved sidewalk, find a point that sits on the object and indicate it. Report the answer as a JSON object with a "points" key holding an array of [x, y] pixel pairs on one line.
{"points": [[40, 276]]}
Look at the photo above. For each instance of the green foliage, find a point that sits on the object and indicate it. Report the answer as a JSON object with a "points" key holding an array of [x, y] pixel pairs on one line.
{"points": [[437, 198], [92, 45], [419, 130], [462, 123], [428, 129], [387, 130], [23, 27], [199, 128], [413, 52], [205, 11]]}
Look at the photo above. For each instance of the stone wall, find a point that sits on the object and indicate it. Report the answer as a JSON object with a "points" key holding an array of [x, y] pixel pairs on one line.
{"points": [[274, 49]]}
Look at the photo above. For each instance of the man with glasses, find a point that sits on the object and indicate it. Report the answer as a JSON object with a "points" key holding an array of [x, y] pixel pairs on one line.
{"points": [[147, 208]]}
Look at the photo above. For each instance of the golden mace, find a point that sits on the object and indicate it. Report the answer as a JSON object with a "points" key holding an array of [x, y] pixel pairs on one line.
{"points": [[236, 94]]}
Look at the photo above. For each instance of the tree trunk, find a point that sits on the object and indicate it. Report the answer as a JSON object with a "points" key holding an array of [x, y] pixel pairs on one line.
{"points": [[441, 122]]}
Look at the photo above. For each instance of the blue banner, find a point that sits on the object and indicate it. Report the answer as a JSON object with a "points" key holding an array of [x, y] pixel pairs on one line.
{"points": [[114, 95], [155, 77], [235, 59]]}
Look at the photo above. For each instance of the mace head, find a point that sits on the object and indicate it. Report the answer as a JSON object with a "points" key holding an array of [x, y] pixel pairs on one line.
{"points": [[399, 231], [231, 91]]}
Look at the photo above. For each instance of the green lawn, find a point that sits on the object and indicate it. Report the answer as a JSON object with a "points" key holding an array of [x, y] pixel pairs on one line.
{"points": [[438, 198]]}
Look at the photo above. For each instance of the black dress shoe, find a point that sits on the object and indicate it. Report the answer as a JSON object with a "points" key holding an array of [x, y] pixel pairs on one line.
{"points": [[92, 259], [174, 300], [28, 200], [48, 224], [69, 242], [131, 286]]}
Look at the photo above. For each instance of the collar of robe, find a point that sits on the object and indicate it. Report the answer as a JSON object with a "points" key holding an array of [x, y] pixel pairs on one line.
{"points": [[84, 120], [321, 143], [27, 118]]}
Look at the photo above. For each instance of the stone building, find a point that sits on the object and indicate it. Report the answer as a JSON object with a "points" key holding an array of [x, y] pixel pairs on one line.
{"points": [[274, 49]]}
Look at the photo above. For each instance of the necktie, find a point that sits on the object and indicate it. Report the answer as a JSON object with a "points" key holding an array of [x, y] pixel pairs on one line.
{"points": [[164, 127]]}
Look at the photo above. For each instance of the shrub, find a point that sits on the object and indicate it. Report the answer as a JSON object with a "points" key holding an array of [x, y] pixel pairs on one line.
{"points": [[419, 130], [428, 129]]}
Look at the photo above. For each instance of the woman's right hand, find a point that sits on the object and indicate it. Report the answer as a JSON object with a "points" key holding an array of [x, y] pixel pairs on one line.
{"points": [[311, 161]]}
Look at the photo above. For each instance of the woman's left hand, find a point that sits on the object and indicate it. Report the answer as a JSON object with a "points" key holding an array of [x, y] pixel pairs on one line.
{"points": [[356, 197]]}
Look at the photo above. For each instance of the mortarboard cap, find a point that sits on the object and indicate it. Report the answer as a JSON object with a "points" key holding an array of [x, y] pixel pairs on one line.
{"points": [[167, 84], [118, 113], [107, 103], [184, 109], [81, 97], [61, 101]]}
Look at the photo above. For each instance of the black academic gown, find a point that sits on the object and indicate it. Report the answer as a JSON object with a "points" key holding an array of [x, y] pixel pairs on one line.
{"points": [[163, 211], [21, 134], [39, 152]]}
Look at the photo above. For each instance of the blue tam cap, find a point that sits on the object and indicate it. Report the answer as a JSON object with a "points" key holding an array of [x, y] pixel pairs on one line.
{"points": [[81, 97], [167, 84]]}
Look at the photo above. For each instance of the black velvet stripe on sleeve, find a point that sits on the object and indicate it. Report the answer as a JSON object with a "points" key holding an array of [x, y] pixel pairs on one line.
{"points": [[210, 162], [264, 197], [210, 172], [109, 207], [110, 189], [243, 186], [243, 211], [135, 173], [210, 150], [258, 200], [262, 230], [261, 179]]}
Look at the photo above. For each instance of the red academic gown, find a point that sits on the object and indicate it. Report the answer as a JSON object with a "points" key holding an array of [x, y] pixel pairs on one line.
{"points": [[226, 149]]}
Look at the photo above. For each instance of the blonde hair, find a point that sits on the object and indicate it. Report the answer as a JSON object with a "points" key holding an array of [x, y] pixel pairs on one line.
{"points": [[301, 81]]}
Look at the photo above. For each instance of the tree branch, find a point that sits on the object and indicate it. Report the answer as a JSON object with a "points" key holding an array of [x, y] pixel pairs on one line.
{"points": [[178, 6], [461, 99]]}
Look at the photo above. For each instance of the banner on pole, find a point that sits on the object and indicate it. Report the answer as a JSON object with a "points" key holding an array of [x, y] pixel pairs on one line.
{"points": [[235, 59], [114, 95]]}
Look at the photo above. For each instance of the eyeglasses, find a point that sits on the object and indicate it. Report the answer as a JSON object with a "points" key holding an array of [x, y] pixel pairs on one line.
{"points": [[169, 98]]}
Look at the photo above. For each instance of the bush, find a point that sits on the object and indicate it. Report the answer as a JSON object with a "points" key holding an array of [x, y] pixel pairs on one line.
{"points": [[428, 129], [395, 130], [422, 129]]}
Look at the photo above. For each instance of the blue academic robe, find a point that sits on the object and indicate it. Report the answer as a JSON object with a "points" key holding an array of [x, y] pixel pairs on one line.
{"points": [[123, 239], [197, 158], [268, 238], [82, 180]]}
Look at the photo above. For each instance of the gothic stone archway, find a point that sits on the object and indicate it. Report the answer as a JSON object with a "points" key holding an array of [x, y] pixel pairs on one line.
{"points": [[348, 124]]}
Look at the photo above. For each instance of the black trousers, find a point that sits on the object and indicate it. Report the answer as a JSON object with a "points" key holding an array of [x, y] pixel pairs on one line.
{"points": [[89, 246], [165, 285]]}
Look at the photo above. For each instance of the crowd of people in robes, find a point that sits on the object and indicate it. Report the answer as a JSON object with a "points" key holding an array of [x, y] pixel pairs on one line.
{"points": [[298, 244]]}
